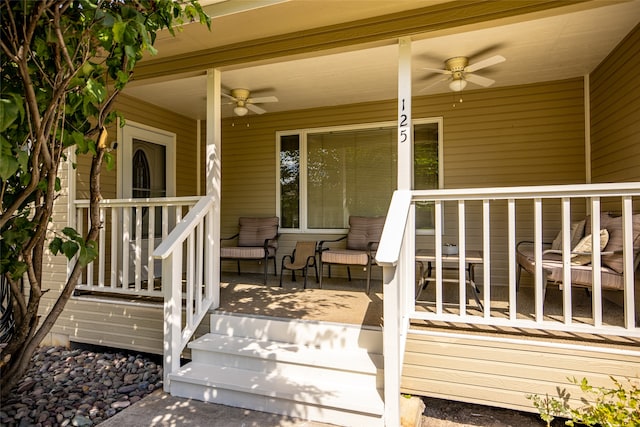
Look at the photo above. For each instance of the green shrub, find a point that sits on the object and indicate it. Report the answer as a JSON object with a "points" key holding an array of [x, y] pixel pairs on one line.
{"points": [[617, 406]]}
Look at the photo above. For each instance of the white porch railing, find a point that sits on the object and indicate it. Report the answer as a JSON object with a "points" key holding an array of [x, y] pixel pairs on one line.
{"points": [[486, 220], [190, 279], [132, 228]]}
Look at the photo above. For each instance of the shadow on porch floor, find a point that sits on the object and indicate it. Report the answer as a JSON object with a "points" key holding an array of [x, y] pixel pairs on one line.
{"points": [[338, 301]]}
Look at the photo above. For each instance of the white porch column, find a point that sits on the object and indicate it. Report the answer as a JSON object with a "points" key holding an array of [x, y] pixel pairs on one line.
{"points": [[405, 134], [213, 167], [213, 135], [397, 277]]}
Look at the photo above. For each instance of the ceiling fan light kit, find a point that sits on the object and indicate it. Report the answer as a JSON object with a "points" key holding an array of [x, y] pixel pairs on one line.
{"points": [[240, 110], [457, 85]]}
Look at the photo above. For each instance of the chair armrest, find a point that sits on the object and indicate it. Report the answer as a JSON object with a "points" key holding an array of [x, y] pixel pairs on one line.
{"points": [[230, 238], [559, 252], [322, 242], [266, 242], [370, 246], [530, 242]]}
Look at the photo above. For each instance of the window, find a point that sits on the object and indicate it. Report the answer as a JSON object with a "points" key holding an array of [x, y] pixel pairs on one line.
{"points": [[329, 174]]}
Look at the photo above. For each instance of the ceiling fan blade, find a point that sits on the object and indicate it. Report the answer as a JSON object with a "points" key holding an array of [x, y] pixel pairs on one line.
{"points": [[479, 80], [226, 95], [255, 109], [262, 99], [437, 70], [485, 63], [433, 84]]}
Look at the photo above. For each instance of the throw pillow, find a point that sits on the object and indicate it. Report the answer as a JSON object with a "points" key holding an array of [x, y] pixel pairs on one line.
{"points": [[584, 247], [576, 233]]}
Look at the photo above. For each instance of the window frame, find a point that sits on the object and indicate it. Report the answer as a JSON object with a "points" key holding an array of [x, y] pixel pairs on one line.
{"points": [[302, 138]]}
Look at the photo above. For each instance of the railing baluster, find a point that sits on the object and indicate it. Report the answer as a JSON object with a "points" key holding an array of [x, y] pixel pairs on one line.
{"points": [[540, 280], [151, 245], [566, 259], [126, 239], [486, 257], [438, 249], [101, 245], [115, 240], [596, 263], [511, 212], [462, 264], [137, 263], [628, 266]]}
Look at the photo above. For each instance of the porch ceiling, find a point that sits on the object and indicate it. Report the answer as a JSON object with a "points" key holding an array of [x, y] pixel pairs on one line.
{"points": [[560, 45]]}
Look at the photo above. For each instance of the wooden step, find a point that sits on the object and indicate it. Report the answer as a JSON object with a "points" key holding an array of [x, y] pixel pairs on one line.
{"points": [[319, 371]]}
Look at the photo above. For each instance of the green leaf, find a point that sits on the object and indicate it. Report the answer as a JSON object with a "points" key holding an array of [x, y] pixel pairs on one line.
{"points": [[55, 245], [118, 30], [9, 112], [88, 253], [69, 249], [8, 167], [96, 90], [109, 161]]}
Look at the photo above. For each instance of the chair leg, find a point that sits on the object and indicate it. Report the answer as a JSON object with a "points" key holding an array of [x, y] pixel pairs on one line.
{"points": [[315, 267], [266, 269], [275, 270], [238, 267], [518, 277], [281, 271], [368, 276], [304, 273], [321, 271], [349, 272]]}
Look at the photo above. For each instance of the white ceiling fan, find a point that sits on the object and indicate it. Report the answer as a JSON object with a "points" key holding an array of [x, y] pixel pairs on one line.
{"points": [[244, 103], [460, 72]]}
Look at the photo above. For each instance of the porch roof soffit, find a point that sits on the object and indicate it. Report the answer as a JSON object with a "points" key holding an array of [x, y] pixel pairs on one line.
{"points": [[382, 30]]}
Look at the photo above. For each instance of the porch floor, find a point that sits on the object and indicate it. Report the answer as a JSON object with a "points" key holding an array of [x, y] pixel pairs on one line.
{"points": [[338, 301]]}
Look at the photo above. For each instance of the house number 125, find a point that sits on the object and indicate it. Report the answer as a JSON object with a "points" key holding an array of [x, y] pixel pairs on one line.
{"points": [[403, 124]]}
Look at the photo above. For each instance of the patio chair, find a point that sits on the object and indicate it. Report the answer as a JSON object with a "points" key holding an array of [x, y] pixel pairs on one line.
{"points": [[303, 257], [362, 243], [257, 240]]}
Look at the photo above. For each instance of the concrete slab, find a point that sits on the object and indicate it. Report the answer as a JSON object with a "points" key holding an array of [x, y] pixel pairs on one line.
{"points": [[160, 409]]}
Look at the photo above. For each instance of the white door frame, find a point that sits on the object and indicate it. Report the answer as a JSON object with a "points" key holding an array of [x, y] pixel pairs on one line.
{"points": [[126, 134]]}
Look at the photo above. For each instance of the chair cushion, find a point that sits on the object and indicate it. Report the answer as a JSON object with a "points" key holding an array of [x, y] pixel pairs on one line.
{"points": [[345, 256], [245, 252], [363, 230], [254, 231]]}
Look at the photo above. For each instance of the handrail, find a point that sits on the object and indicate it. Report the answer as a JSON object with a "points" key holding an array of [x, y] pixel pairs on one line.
{"points": [[153, 201], [391, 240], [184, 228], [195, 238], [528, 192]]}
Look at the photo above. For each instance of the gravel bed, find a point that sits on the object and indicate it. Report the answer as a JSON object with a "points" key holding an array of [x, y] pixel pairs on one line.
{"points": [[79, 387]]}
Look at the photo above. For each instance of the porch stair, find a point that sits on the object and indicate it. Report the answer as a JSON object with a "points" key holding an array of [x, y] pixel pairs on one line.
{"points": [[319, 371]]}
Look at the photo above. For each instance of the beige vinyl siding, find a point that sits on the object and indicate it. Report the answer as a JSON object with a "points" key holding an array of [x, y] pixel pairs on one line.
{"points": [[524, 135], [615, 114], [502, 372]]}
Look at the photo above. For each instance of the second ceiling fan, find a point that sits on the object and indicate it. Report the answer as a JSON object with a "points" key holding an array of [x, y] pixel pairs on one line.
{"points": [[461, 72], [244, 103]]}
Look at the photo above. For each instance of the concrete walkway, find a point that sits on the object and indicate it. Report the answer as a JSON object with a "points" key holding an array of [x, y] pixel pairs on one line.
{"points": [[160, 409]]}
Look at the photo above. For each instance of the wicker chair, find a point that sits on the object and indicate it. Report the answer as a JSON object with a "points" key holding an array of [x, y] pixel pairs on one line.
{"points": [[257, 240]]}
